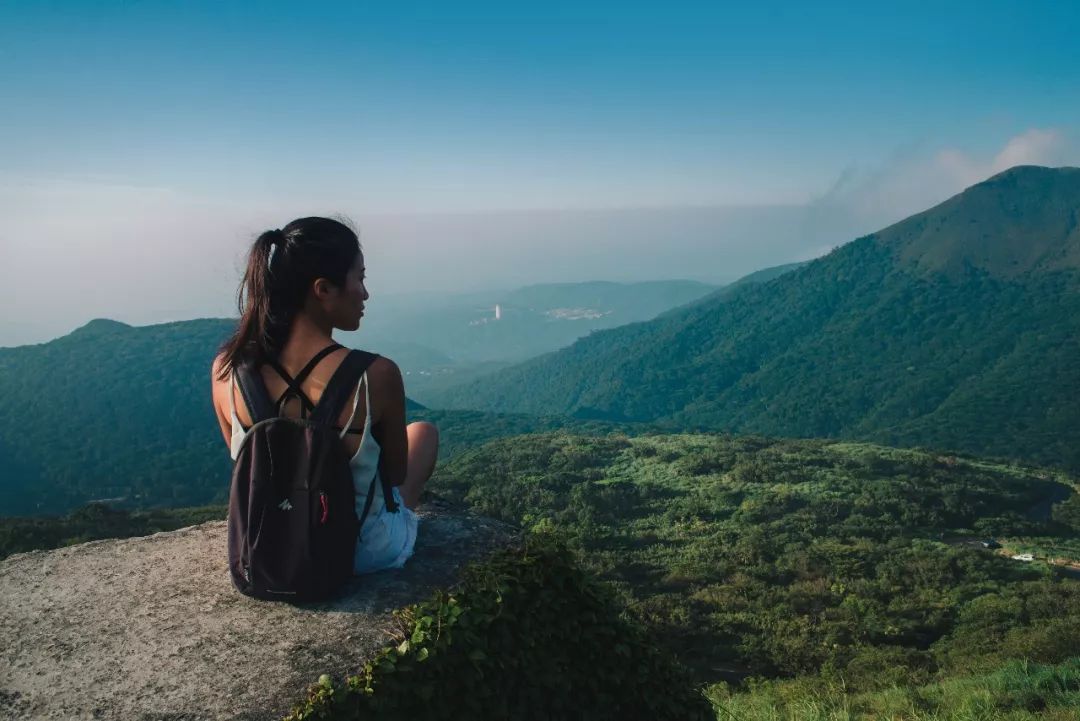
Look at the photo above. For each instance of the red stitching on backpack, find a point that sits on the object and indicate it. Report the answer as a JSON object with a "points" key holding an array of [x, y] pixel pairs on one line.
{"points": [[325, 507]]}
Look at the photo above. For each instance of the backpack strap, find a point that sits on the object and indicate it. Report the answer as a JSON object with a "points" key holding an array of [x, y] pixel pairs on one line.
{"points": [[367, 509], [387, 489], [339, 388], [387, 494], [294, 383], [256, 397]]}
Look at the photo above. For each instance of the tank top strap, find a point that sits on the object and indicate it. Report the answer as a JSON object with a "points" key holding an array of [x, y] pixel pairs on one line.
{"points": [[356, 402], [238, 432], [232, 392], [367, 403]]}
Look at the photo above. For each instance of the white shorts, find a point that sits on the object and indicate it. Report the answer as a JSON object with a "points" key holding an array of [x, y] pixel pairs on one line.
{"points": [[386, 539]]}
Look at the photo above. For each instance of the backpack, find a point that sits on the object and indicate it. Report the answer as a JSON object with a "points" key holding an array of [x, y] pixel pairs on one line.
{"points": [[293, 527]]}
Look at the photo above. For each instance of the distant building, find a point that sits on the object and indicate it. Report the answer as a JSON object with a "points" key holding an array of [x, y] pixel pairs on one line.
{"points": [[1024, 557]]}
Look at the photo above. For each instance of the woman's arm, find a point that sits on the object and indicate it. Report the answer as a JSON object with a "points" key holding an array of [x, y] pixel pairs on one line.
{"points": [[388, 427]]}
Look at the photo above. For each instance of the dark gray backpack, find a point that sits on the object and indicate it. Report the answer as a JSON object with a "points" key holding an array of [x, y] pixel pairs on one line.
{"points": [[292, 507]]}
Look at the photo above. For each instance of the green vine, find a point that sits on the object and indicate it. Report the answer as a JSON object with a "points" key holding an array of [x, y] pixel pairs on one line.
{"points": [[525, 635]]}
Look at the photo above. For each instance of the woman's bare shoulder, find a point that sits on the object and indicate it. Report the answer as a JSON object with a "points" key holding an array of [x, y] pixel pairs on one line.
{"points": [[215, 371], [219, 392], [386, 384], [384, 372], [386, 381]]}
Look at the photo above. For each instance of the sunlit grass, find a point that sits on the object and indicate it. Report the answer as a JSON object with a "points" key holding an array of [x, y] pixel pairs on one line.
{"points": [[1018, 691]]}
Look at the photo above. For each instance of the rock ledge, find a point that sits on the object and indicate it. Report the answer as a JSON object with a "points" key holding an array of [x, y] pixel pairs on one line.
{"points": [[151, 628]]}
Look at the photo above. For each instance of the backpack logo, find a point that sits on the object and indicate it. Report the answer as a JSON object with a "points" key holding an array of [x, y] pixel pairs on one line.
{"points": [[285, 505]]}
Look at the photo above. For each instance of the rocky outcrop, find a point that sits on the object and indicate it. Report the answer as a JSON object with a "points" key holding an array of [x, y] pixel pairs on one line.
{"points": [[151, 628]]}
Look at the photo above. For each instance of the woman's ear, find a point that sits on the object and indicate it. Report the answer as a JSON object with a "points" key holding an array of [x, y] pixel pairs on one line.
{"points": [[322, 288]]}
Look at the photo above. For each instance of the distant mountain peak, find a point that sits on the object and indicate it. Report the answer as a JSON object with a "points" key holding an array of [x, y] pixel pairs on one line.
{"points": [[1024, 172], [1022, 220], [100, 325]]}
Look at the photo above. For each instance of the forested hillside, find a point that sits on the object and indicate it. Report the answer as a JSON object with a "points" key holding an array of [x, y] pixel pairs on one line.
{"points": [[955, 329], [111, 411], [835, 563]]}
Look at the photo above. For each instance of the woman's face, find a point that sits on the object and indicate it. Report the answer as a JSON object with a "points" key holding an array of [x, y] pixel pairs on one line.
{"points": [[348, 304]]}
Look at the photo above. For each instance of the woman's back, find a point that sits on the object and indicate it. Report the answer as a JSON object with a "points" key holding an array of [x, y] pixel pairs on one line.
{"points": [[293, 361]]}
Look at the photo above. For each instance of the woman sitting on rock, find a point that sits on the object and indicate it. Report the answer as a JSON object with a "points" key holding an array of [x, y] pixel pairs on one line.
{"points": [[301, 283]]}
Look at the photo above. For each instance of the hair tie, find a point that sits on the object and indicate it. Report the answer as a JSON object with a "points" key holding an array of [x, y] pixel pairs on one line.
{"points": [[276, 240]]}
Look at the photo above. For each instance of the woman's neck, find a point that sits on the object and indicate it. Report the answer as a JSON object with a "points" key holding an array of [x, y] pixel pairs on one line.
{"points": [[307, 336]]}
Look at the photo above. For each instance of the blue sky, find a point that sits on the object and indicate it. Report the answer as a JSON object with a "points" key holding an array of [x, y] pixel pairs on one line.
{"points": [[236, 113]]}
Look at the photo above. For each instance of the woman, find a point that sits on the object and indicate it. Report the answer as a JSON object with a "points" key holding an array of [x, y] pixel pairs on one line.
{"points": [[301, 283]]}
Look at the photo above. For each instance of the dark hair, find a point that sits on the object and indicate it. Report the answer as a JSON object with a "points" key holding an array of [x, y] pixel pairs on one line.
{"points": [[275, 286]]}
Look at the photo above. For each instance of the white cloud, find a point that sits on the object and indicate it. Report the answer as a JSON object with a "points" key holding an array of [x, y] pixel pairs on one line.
{"points": [[1032, 147], [1035, 147]]}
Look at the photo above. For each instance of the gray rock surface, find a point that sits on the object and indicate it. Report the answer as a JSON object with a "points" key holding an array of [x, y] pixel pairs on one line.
{"points": [[151, 628]]}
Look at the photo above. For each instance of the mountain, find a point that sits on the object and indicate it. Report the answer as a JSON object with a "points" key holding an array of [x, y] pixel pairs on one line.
{"points": [[1023, 221], [761, 276], [956, 328]]}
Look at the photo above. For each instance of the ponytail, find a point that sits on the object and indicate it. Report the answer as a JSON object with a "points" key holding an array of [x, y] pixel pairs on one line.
{"points": [[282, 265]]}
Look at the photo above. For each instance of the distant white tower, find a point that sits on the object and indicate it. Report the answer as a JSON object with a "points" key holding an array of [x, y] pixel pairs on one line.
{"points": [[498, 312]]}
